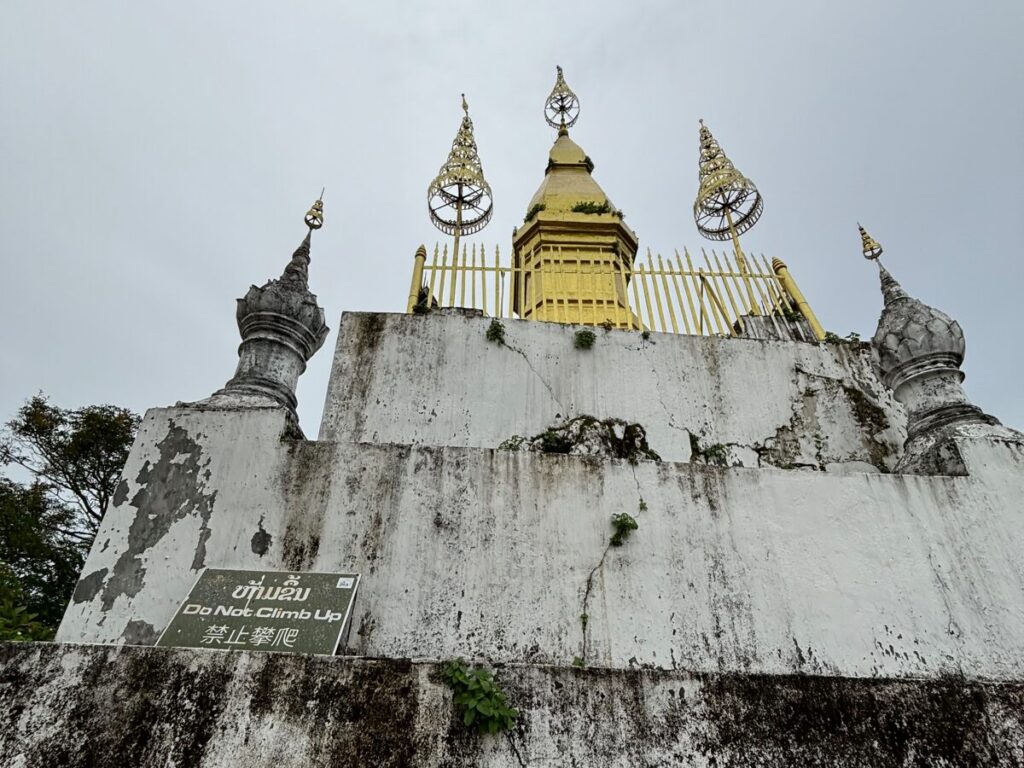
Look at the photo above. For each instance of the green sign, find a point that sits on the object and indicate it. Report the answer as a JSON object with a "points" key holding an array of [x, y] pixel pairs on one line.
{"points": [[278, 611]]}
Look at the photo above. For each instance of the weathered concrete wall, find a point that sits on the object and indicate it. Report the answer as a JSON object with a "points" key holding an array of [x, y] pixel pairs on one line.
{"points": [[79, 707], [758, 615], [489, 553], [191, 472], [436, 380]]}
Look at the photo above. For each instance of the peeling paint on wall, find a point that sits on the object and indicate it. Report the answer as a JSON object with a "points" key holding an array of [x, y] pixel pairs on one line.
{"points": [[261, 540], [170, 490]]}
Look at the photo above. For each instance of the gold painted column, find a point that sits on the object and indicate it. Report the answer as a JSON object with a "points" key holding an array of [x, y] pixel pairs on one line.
{"points": [[417, 278], [798, 298]]}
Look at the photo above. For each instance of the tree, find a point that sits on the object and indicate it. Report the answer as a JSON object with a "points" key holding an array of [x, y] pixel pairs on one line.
{"points": [[74, 458]]}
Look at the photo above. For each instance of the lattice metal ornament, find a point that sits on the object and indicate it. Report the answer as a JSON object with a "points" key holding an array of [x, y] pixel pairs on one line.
{"points": [[459, 199], [870, 247], [315, 215], [727, 202], [562, 109]]}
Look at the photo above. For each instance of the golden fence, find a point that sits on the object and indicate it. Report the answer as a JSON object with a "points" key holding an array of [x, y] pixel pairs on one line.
{"points": [[718, 295]]}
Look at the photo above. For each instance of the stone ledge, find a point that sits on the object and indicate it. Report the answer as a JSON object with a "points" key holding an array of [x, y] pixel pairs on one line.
{"points": [[77, 706]]}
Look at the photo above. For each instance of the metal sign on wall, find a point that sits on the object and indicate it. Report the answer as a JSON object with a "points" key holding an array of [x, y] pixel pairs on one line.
{"points": [[278, 611]]}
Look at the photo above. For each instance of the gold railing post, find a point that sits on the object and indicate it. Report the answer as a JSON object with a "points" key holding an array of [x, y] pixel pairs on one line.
{"points": [[417, 277], [790, 285]]}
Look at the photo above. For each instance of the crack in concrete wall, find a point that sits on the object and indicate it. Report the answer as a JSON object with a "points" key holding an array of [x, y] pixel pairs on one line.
{"points": [[434, 379]]}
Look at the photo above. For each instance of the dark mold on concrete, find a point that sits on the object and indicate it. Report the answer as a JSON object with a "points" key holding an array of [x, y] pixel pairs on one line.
{"points": [[307, 476], [140, 633], [156, 707], [261, 540], [363, 339], [89, 586], [170, 490], [97, 706]]}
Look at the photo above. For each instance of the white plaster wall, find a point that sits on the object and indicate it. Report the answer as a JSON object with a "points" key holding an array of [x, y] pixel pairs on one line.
{"points": [[436, 380], [237, 478], [486, 553]]}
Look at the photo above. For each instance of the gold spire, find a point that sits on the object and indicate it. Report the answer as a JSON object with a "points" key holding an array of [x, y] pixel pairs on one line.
{"points": [[870, 247], [728, 203], [459, 198], [562, 108], [296, 272], [315, 215]]}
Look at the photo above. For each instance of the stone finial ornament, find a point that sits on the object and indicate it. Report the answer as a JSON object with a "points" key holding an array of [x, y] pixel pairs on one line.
{"points": [[282, 326], [920, 350]]}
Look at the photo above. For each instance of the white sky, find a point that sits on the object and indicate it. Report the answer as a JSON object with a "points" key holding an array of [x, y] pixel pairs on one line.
{"points": [[158, 158]]}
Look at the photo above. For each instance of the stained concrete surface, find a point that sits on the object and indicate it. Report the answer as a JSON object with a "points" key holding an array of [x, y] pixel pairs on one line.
{"points": [[79, 707]]}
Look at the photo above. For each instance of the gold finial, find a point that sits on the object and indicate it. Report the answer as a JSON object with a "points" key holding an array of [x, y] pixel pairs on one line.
{"points": [[870, 247], [728, 203], [459, 198], [562, 108], [315, 215]]}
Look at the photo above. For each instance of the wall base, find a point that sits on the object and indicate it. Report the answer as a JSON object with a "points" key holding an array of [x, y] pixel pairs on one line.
{"points": [[77, 706]]}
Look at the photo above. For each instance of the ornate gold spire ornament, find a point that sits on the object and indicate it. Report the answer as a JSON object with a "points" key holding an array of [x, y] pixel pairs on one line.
{"points": [[297, 270], [562, 108], [870, 247], [315, 215], [727, 204], [459, 198]]}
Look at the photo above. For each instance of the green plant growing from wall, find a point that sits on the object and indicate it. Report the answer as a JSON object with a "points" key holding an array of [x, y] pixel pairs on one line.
{"points": [[423, 304], [513, 443], [555, 442], [584, 339], [532, 213], [623, 524], [610, 437], [496, 332], [790, 314], [716, 454], [479, 700], [589, 207], [835, 338]]}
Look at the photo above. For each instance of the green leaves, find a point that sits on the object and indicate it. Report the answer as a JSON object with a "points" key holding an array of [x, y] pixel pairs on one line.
{"points": [[584, 339], [479, 699], [496, 332], [622, 523], [530, 214], [73, 459], [16, 623], [590, 207]]}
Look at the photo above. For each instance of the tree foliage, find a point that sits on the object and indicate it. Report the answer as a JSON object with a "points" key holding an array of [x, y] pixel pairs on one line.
{"points": [[73, 459], [16, 623]]}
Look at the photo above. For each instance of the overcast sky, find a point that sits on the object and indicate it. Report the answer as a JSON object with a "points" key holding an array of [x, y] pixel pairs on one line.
{"points": [[158, 158]]}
